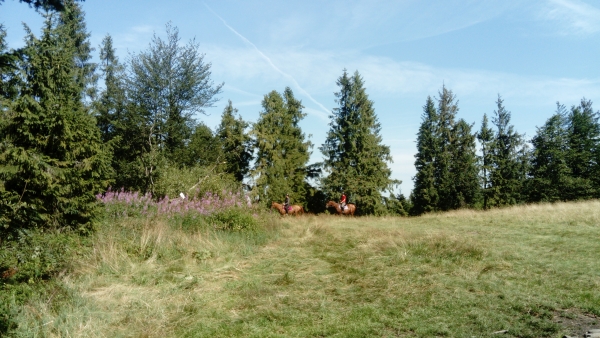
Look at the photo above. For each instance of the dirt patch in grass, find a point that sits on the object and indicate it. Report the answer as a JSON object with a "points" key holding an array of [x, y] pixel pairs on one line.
{"points": [[575, 323]]}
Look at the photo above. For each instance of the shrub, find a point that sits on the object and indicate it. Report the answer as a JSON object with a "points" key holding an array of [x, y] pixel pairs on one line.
{"points": [[29, 258], [234, 219]]}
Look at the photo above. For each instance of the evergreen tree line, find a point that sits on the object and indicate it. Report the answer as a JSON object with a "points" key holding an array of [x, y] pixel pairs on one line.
{"points": [[71, 128], [562, 163]]}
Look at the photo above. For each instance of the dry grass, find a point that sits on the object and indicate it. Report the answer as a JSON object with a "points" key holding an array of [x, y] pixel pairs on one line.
{"points": [[465, 273]]}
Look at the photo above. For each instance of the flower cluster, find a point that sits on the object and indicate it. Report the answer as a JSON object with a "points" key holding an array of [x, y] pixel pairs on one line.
{"points": [[127, 203]]}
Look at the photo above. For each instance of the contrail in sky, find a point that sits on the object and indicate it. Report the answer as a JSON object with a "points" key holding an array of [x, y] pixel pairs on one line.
{"points": [[270, 62]]}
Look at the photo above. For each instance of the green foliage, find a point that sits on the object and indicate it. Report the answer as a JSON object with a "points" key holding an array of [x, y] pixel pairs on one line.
{"points": [[9, 79], [29, 261], [282, 152], [203, 149], [52, 161], [355, 159], [110, 107], [234, 219], [446, 163], [465, 187], [169, 83], [195, 180], [398, 205], [147, 113], [509, 160], [235, 142], [425, 195], [55, 5], [551, 179], [564, 157], [584, 148], [72, 21], [485, 136]]}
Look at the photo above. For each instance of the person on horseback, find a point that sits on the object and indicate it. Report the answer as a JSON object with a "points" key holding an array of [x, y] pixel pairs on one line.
{"points": [[286, 204], [343, 201]]}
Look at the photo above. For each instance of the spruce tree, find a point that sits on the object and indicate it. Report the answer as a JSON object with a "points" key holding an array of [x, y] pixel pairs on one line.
{"points": [[463, 167], [235, 142], [550, 176], [111, 104], [509, 160], [282, 151], [48, 5], [52, 161], [424, 197], [486, 139], [355, 159], [203, 149], [9, 78], [447, 109], [72, 20], [445, 161], [583, 138]]}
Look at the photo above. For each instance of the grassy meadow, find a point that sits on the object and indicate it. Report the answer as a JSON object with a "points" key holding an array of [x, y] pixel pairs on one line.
{"points": [[528, 271]]}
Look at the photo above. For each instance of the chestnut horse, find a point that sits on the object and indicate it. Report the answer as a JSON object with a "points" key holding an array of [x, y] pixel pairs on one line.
{"points": [[349, 210], [294, 209]]}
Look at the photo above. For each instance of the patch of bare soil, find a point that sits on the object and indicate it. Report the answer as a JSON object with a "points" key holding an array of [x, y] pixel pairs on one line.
{"points": [[576, 324]]}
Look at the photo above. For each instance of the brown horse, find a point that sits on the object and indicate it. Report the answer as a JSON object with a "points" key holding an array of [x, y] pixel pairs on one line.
{"points": [[294, 209], [349, 210]]}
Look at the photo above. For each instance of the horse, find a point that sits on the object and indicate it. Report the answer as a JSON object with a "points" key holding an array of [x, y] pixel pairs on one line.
{"points": [[349, 210], [294, 209]]}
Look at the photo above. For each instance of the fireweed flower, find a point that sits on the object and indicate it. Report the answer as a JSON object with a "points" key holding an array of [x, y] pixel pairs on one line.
{"points": [[129, 203]]}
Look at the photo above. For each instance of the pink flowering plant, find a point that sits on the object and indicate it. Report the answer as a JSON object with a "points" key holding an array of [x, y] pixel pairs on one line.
{"points": [[226, 210]]}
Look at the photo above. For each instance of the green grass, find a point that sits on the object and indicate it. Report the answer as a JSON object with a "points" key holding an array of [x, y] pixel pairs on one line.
{"points": [[532, 271]]}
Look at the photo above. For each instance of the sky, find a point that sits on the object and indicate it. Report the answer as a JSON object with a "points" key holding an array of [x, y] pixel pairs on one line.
{"points": [[532, 53]]}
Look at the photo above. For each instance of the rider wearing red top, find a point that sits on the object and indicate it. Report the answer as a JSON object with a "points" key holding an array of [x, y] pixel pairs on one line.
{"points": [[343, 201]]}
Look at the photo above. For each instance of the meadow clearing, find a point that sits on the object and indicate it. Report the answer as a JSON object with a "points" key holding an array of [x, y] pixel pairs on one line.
{"points": [[527, 271]]}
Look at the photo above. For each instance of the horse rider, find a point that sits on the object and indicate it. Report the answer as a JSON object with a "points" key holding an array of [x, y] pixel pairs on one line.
{"points": [[343, 201], [286, 204]]}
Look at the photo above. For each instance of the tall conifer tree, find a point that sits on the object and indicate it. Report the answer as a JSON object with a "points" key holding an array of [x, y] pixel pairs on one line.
{"points": [[111, 104], [72, 20], [463, 167], [52, 161], [447, 109], [235, 142], [355, 158], [486, 139], [509, 156], [424, 197], [584, 137], [550, 176], [445, 161], [282, 151]]}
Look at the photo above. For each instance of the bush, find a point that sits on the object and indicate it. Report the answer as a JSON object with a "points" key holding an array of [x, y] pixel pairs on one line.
{"points": [[234, 219], [29, 259]]}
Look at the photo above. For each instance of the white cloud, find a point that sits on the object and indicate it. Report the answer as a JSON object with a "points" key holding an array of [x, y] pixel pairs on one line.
{"points": [[318, 71], [135, 39], [574, 17]]}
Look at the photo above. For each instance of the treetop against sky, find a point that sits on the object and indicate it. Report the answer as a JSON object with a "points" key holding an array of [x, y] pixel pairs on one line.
{"points": [[532, 53]]}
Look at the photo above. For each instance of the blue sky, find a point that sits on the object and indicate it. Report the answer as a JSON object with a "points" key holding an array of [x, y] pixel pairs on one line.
{"points": [[533, 53]]}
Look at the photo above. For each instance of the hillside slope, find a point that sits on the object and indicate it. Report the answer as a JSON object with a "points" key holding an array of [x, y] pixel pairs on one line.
{"points": [[530, 271]]}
